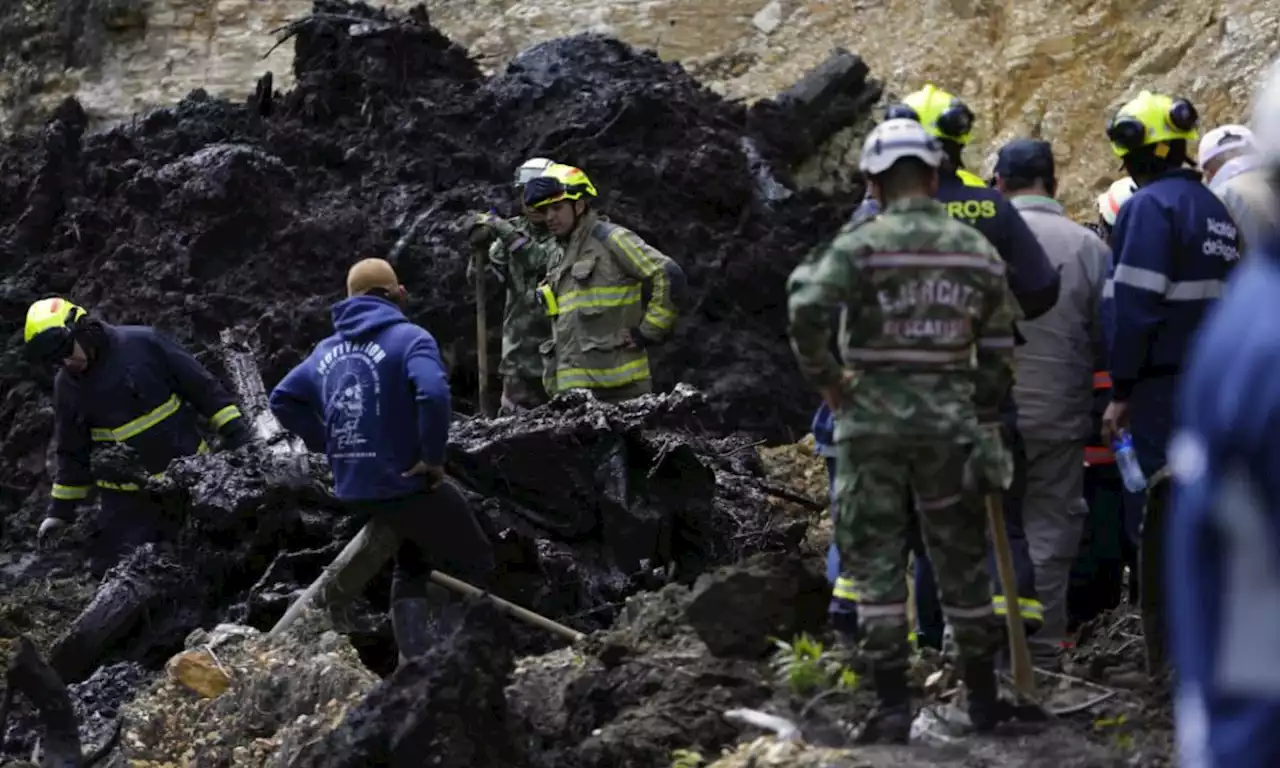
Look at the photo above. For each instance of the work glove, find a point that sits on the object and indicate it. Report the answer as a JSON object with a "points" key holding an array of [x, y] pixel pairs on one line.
{"points": [[989, 468], [434, 474], [50, 529], [235, 435], [486, 226], [636, 340]]}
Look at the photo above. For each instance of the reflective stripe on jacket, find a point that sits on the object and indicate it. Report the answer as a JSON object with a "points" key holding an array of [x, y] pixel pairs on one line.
{"points": [[595, 295]]}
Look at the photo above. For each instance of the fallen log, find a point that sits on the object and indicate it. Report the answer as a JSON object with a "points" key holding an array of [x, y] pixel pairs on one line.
{"points": [[114, 611]]}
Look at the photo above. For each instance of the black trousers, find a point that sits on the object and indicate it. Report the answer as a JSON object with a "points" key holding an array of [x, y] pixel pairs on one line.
{"points": [[437, 531]]}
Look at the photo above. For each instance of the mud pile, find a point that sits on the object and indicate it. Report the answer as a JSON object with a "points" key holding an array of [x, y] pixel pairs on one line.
{"points": [[637, 500], [212, 214]]}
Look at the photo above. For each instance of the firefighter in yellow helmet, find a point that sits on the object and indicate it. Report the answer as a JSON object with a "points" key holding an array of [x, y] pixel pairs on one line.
{"points": [[120, 384], [608, 293], [1173, 245]]}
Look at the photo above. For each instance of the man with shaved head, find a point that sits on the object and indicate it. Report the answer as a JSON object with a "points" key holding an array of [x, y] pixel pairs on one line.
{"points": [[374, 398]]}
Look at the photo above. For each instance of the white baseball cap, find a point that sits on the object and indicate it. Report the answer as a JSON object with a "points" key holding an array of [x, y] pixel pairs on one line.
{"points": [[1223, 138]]}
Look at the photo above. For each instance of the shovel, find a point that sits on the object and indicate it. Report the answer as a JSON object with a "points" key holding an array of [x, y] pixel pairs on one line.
{"points": [[482, 335], [365, 538]]}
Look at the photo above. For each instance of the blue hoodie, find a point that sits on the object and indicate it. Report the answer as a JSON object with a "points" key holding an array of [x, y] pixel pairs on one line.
{"points": [[1222, 563], [373, 397]]}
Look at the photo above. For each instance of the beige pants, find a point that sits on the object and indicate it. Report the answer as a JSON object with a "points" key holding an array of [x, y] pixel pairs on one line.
{"points": [[1054, 513]]}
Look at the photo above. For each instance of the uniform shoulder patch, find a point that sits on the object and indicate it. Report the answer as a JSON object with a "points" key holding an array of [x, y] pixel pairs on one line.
{"points": [[604, 232]]}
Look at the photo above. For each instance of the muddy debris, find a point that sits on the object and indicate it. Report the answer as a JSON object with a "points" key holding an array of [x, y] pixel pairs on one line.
{"points": [[257, 527], [212, 215]]}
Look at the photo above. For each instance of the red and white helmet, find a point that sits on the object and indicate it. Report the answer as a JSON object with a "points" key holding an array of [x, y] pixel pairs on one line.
{"points": [[1109, 202]]}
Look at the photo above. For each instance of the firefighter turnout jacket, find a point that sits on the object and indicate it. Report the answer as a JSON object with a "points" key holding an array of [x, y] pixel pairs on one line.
{"points": [[606, 286], [140, 389]]}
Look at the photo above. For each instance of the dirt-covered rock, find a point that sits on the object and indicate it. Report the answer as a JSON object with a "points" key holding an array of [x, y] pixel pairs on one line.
{"points": [[444, 708], [633, 694], [738, 610]]}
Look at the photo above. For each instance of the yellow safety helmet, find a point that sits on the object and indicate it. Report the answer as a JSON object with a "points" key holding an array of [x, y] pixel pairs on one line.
{"points": [[560, 182], [1152, 118], [47, 333], [941, 113]]}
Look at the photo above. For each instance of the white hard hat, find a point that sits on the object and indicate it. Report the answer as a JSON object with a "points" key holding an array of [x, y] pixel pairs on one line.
{"points": [[1222, 139], [532, 169], [895, 139], [1109, 202], [1266, 114]]}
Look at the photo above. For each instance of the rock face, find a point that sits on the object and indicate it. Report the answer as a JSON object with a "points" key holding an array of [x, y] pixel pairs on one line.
{"points": [[1034, 68]]}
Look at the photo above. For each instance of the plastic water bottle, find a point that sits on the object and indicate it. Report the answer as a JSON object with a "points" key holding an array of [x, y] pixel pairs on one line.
{"points": [[1127, 462]]}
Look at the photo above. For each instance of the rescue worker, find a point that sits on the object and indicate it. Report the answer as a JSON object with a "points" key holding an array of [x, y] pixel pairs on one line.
{"points": [[1174, 244], [1233, 170], [609, 295], [1097, 579], [374, 398], [915, 349], [1054, 382], [517, 252], [121, 384], [1223, 564], [1109, 203], [1034, 283]]}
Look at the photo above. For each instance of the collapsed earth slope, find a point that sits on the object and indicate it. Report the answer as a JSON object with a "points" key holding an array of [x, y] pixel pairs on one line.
{"points": [[212, 214], [212, 217]]}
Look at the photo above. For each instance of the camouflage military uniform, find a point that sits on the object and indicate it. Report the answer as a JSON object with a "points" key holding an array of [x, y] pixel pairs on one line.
{"points": [[595, 293], [521, 263], [929, 335]]}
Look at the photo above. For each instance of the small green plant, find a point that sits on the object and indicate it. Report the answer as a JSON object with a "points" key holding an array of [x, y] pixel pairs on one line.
{"points": [[806, 667], [686, 758], [1120, 737]]}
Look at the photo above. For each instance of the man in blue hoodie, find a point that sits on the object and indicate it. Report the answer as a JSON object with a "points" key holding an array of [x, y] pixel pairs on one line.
{"points": [[1174, 244], [374, 398]]}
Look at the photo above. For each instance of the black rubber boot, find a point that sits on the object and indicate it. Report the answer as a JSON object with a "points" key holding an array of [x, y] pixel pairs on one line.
{"points": [[890, 723], [411, 624], [986, 708]]}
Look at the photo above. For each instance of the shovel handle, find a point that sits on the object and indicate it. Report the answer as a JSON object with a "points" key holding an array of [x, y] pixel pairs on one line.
{"points": [[1024, 680]]}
